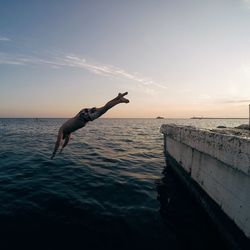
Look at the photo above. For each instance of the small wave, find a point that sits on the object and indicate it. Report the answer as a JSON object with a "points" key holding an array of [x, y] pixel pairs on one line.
{"points": [[101, 190]]}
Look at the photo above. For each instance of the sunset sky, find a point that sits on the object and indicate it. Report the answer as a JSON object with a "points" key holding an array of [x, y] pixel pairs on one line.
{"points": [[177, 58]]}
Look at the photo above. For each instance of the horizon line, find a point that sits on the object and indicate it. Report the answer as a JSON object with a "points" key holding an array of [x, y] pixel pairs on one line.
{"points": [[164, 118]]}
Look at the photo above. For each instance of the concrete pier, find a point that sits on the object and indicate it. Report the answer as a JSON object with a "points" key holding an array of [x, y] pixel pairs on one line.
{"points": [[215, 164]]}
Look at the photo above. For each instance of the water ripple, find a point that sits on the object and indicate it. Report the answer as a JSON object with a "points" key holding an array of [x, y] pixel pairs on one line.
{"points": [[102, 186]]}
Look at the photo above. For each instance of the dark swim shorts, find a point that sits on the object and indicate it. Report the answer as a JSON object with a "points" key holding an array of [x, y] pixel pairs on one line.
{"points": [[88, 114]]}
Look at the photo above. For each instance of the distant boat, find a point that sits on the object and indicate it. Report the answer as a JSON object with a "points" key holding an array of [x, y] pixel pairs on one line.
{"points": [[159, 117], [197, 117]]}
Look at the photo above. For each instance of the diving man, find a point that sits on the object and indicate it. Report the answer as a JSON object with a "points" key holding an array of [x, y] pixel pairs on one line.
{"points": [[80, 120]]}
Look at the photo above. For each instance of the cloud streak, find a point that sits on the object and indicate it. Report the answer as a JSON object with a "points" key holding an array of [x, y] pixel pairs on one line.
{"points": [[246, 3], [81, 63], [4, 39], [111, 71], [237, 101], [245, 68]]}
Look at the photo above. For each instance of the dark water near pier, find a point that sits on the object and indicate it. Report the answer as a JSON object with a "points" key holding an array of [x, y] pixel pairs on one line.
{"points": [[107, 190]]}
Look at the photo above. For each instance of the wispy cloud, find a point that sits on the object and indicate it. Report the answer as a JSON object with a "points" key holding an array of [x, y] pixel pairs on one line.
{"points": [[78, 62], [109, 70], [4, 39], [246, 3], [236, 101], [6, 59], [245, 69], [204, 97]]}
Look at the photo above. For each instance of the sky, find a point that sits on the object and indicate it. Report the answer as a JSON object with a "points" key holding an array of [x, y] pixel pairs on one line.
{"points": [[176, 58]]}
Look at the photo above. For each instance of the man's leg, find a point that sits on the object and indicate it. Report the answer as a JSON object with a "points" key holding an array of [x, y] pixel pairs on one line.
{"points": [[119, 99], [58, 142], [67, 137]]}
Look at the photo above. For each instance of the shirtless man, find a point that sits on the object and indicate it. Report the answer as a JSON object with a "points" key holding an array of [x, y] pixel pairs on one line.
{"points": [[80, 120]]}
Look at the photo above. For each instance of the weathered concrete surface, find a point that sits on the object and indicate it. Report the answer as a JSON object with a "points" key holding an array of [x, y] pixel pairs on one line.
{"points": [[230, 149], [219, 163]]}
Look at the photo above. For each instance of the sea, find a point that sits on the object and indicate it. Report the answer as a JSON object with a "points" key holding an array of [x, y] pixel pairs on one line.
{"points": [[109, 189]]}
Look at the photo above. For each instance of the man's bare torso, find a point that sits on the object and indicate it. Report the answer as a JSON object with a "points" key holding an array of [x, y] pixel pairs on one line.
{"points": [[72, 125]]}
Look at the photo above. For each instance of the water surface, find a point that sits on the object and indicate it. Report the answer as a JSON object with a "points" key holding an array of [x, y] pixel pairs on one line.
{"points": [[107, 190]]}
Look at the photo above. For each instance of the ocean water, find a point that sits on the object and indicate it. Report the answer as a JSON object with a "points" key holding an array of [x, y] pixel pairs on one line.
{"points": [[109, 189]]}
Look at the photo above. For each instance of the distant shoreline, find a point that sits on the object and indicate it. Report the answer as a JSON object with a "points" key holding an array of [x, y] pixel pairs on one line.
{"points": [[219, 118], [153, 118]]}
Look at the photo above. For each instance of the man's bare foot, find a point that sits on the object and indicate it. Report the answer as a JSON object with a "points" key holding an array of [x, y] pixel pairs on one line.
{"points": [[121, 98], [121, 95], [125, 100]]}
